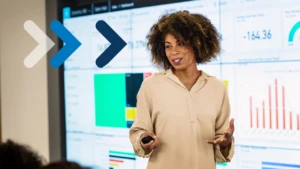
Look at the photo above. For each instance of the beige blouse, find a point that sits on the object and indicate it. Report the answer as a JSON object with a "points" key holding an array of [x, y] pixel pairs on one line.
{"points": [[183, 121]]}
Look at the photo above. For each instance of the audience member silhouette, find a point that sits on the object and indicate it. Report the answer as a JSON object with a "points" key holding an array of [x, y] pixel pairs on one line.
{"points": [[63, 165], [17, 156]]}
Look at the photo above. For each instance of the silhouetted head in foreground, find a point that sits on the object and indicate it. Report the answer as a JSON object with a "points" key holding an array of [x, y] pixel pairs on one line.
{"points": [[63, 165], [17, 156]]}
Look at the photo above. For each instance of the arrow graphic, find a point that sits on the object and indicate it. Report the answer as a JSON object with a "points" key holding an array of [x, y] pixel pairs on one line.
{"points": [[71, 44], [117, 43], [44, 44]]}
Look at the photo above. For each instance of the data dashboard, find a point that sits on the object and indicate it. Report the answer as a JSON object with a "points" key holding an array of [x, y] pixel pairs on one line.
{"points": [[259, 63]]}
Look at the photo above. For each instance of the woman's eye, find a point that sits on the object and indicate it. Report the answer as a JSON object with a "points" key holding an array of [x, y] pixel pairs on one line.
{"points": [[168, 46]]}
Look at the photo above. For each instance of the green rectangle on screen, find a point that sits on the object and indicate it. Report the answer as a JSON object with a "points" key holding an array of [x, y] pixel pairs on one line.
{"points": [[222, 164], [110, 100], [121, 153]]}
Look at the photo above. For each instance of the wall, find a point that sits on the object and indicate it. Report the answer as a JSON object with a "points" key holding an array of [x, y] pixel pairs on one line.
{"points": [[24, 98]]}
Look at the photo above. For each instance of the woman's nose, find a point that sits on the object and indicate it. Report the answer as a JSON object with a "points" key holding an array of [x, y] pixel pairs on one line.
{"points": [[174, 50]]}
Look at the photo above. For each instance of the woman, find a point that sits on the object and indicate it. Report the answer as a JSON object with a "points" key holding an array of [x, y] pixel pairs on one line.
{"points": [[184, 110]]}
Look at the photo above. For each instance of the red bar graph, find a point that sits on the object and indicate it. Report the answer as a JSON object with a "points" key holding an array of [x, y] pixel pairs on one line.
{"points": [[291, 121], [270, 106], [115, 160], [298, 122], [276, 102], [259, 119]]}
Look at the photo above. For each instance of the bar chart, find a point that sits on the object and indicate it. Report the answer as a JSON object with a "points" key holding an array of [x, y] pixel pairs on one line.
{"points": [[258, 114], [268, 105], [119, 159], [113, 152]]}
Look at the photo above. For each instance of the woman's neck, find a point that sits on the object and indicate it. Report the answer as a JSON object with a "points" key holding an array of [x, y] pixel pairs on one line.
{"points": [[188, 77], [191, 73]]}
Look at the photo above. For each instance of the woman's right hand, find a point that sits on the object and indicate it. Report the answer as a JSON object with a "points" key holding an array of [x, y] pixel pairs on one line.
{"points": [[152, 144]]}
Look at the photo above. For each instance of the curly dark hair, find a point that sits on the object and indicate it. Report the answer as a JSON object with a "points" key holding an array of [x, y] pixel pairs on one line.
{"points": [[194, 29], [17, 156]]}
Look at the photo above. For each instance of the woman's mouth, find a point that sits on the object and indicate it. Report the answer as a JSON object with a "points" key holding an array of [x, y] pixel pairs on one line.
{"points": [[177, 61]]}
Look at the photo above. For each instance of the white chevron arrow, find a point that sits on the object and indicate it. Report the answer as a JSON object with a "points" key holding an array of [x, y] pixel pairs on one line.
{"points": [[44, 44]]}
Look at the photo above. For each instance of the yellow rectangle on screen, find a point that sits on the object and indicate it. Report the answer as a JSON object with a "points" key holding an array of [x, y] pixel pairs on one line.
{"points": [[226, 83], [113, 165], [130, 113]]}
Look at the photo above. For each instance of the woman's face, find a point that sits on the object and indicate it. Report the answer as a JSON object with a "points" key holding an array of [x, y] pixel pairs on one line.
{"points": [[178, 53]]}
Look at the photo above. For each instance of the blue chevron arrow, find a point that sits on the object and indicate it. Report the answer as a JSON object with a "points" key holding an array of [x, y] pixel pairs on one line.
{"points": [[117, 43], [71, 44]]}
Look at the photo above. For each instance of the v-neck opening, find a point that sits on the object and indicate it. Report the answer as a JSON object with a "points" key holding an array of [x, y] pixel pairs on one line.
{"points": [[196, 85]]}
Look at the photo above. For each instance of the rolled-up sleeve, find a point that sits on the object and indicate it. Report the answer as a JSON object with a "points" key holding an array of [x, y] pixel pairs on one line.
{"points": [[222, 124]]}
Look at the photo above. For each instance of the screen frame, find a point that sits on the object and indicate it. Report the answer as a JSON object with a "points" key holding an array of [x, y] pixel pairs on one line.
{"points": [[59, 80], [56, 120]]}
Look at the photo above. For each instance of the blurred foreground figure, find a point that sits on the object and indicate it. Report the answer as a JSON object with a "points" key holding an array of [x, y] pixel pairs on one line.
{"points": [[63, 165], [17, 156]]}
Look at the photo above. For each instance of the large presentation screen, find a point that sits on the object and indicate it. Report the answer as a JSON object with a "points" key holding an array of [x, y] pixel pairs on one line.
{"points": [[260, 64]]}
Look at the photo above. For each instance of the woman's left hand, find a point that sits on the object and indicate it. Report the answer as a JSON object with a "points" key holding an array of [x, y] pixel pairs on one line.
{"points": [[226, 138]]}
